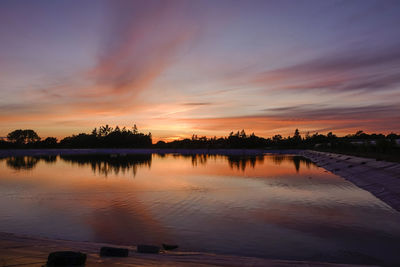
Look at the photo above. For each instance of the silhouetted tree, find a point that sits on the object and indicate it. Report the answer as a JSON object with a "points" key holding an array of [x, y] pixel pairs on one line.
{"points": [[134, 129], [49, 142], [277, 138], [105, 130], [330, 135], [297, 135], [106, 136], [23, 136]]}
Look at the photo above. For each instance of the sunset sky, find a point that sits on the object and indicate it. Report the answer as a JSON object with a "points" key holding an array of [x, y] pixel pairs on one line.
{"points": [[206, 67]]}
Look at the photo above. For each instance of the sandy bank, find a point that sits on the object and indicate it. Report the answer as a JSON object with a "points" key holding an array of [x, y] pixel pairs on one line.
{"points": [[380, 178], [28, 251]]}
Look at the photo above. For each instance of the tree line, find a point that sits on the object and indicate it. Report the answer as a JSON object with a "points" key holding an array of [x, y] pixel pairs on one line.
{"points": [[109, 137], [102, 137]]}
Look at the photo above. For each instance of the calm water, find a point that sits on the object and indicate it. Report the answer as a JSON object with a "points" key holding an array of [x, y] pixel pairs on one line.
{"points": [[270, 206]]}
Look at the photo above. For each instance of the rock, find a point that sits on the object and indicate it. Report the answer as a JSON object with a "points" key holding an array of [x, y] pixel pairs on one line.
{"points": [[169, 247], [148, 249], [114, 252], [66, 258]]}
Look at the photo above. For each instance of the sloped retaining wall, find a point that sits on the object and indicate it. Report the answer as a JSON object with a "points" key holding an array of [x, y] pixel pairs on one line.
{"points": [[380, 178]]}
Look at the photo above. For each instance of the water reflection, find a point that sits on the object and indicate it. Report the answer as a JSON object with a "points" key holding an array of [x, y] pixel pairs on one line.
{"points": [[241, 162], [196, 159], [106, 164], [28, 162], [297, 161], [275, 206]]}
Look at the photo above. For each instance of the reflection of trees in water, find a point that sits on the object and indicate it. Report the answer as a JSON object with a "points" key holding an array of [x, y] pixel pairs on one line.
{"points": [[241, 162], [297, 160], [106, 164], [28, 162], [115, 163], [202, 159], [197, 159]]}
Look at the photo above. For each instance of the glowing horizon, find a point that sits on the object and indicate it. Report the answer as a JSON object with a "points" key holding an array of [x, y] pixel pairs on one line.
{"points": [[179, 68]]}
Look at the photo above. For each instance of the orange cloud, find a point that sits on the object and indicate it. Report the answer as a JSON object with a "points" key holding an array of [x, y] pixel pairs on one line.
{"points": [[338, 120]]}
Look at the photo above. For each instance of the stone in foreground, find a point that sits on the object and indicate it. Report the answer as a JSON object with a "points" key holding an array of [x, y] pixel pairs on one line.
{"points": [[114, 252], [169, 246], [66, 258], [148, 249]]}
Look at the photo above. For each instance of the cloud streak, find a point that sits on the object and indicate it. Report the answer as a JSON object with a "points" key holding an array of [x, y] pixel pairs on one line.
{"points": [[139, 41], [142, 41], [360, 70], [196, 104], [318, 112], [307, 118]]}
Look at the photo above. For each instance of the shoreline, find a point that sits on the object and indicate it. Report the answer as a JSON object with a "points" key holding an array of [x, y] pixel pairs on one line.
{"points": [[16, 250], [88, 151]]}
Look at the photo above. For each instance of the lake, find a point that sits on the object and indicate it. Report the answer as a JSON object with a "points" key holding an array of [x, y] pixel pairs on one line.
{"points": [[272, 206]]}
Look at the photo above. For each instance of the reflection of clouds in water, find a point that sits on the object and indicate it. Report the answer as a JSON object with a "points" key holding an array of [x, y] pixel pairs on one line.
{"points": [[335, 225], [127, 222]]}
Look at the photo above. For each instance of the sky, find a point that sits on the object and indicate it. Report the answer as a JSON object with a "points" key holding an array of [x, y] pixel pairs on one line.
{"points": [[177, 68]]}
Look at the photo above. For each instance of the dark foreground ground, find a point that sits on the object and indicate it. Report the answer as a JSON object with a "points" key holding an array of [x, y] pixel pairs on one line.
{"points": [[29, 251]]}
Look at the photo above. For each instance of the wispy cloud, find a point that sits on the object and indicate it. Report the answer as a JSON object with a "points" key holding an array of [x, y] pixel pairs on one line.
{"points": [[310, 118], [362, 70], [319, 112], [139, 41], [142, 40], [196, 104]]}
